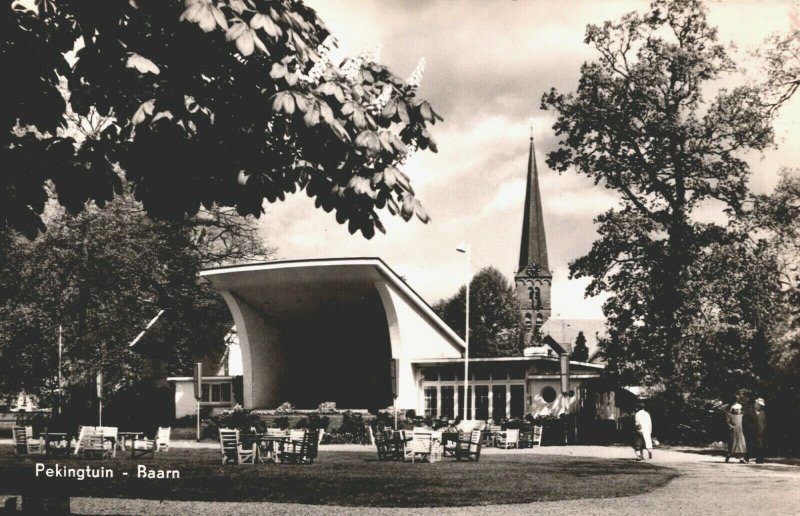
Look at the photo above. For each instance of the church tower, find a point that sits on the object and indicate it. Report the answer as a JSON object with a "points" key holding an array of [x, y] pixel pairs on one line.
{"points": [[533, 277]]}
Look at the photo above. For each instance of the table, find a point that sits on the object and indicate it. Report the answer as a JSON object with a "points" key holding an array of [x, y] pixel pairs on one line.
{"points": [[265, 446], [56, 437], [124, 437]]}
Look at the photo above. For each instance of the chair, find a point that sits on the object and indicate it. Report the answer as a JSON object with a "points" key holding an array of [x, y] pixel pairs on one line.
{"points": [[508, 439], [232, 450], [83, 433], [301, 451], [537, 436], [492, 436], [384, 445], [420, 445], [93, 444], [24, 442], [470, 449], [532, 438], [141, 447], [110, 437], [449, 443]]}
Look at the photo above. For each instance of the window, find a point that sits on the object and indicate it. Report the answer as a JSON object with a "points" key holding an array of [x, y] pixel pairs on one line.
{"points": [[498, 402], [537, 298], [481, 402], [216, 393], [517, 400], [528, 322], [539, 322], [430, 402], [548, 394], [448, 402]]}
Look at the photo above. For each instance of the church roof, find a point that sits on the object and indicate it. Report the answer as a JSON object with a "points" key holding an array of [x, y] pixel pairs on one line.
{"points": [[565, 331], [533, 246]]}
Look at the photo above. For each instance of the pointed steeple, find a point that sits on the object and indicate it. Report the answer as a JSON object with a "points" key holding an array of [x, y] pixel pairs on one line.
{"points": [[533, 246]]}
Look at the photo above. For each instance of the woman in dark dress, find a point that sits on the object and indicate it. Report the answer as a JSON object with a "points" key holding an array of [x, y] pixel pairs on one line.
{"points": [[736, 443]]}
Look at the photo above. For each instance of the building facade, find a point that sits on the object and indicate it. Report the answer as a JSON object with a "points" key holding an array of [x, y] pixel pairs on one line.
{"points": [[351, 331]]}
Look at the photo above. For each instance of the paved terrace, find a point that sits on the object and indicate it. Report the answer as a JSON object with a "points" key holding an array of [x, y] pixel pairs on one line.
{"points": [[706, 486]]}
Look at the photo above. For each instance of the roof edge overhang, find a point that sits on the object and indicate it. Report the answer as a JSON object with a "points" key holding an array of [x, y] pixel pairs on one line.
{"points": [[385, 271], [446, 361]]}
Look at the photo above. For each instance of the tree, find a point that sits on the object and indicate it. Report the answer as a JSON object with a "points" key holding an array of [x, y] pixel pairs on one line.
{"points": [[210, 102], [639, 123], [102, 276], [580, 352], [495, 326]]}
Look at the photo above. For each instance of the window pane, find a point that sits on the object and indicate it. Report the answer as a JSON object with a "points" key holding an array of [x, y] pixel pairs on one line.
{"points": [[482, 402], [430, 402], [517, 400], [226, 392], [498, 402], [206, 390], [430, 374], [215, 392], [448, 400]]}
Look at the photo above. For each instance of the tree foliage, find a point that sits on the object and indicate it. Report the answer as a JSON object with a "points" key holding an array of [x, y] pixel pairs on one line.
{"points": [[494, 321], [643, 124], [225, 102], [102, 276], [580, 352]]}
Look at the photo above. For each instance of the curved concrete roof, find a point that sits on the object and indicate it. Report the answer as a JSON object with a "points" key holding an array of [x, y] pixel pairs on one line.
{"points": [[281, 288]]}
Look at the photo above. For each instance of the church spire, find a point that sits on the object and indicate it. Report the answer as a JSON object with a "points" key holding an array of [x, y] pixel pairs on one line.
{"points": [[533, 246]]}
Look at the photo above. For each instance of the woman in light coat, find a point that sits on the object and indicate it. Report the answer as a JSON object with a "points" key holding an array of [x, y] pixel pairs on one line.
{"points": [[736, 442], [643, 439]]}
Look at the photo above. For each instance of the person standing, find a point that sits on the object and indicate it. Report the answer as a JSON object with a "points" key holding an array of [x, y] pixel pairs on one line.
{"points": [[643, 439], [736, 442], [757, 430]]}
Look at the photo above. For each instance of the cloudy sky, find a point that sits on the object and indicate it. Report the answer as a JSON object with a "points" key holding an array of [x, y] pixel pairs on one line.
{"points": [[488, 63]]}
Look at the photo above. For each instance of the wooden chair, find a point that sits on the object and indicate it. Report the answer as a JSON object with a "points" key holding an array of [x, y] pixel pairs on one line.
{"points": [[24, 443], [300, 451], [508, 439], [537, 436], [384, 445], [449, 443], [94, 445], [142, 447], [493, 435], [83, 433], [420, 445], [232, 452], [470, 449], [110, 438]]}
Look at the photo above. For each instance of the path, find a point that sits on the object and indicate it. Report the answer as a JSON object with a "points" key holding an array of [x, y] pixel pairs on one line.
{"points": [[707, 486]]}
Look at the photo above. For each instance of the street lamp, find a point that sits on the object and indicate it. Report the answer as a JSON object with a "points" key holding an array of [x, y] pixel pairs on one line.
{"points": [[464, 248]]}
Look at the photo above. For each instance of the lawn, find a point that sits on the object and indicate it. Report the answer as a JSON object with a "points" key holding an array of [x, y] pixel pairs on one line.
{"points": [[349, 479]]}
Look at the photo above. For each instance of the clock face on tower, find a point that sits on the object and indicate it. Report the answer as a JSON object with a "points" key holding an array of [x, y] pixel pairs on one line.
{"points": [[533, 269]]}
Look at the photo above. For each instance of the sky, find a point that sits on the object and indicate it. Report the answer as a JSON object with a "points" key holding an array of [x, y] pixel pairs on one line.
{"points": [[487, 65]]}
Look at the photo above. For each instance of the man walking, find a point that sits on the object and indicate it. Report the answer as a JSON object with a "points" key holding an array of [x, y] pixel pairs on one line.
{"points": [[757, 428]]}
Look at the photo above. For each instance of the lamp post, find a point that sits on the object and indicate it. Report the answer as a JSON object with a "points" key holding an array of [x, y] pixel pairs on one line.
{"points": [[464, 248]]}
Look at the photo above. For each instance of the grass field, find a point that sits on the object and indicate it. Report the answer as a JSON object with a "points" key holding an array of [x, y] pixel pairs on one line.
{"points": [[348, 479]]}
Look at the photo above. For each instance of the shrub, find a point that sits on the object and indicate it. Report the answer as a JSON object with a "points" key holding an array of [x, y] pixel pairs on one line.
{"points": [[237, 418], [317, 421], [281, 422], [327, 407], [284, 408]]}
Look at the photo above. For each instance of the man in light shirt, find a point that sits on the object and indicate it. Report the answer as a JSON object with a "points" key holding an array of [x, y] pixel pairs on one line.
{"points": [[644, 428]]}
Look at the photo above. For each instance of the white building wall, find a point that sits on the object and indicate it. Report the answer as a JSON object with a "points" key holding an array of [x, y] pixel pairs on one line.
{"points": [[413, 337], [185, 404]]}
